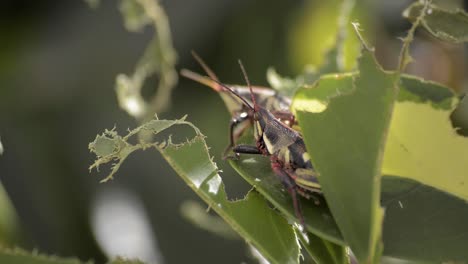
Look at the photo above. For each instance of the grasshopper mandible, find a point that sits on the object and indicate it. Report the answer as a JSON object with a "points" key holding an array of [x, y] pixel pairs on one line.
{"points": [[264, 96], [285, 147]]}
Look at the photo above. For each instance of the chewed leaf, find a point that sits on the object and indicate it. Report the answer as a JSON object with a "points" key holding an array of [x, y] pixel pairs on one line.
{"points": [[427, 159], [422, 144], [344, 119], [275, 239], [159, 58], [414, 89], [451, 26], [134, 15]]}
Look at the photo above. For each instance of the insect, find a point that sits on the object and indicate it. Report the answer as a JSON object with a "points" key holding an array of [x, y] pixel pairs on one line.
{"points": [[240, 121], [285, 147]]}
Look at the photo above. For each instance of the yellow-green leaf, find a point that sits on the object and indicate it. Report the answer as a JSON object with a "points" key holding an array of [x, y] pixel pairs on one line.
{"points": [[422, 144]]}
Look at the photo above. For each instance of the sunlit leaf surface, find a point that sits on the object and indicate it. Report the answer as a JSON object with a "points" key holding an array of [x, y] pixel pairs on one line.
{"points": [[251, 217], [422, 144]]}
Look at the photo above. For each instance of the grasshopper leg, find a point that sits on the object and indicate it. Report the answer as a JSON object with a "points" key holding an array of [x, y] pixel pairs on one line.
{"points": [[306, 183], [291, 186], [247, 149], [235, 121]]}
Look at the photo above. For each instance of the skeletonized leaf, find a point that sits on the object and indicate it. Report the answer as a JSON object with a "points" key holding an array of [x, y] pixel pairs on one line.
{"points": [[451, 26]]}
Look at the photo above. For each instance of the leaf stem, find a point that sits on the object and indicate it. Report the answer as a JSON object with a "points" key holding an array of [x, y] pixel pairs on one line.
{"points": [[405, 58]]}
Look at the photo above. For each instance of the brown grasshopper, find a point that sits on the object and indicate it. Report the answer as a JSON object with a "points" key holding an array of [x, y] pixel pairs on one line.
{"points": [[285, 147], [240, 121]]}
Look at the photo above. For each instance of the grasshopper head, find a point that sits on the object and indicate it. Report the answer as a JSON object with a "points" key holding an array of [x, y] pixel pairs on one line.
{"points": [[260, 117]]}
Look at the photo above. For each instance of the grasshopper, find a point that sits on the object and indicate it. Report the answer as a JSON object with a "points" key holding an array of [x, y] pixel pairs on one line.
{"points": [[285, 147], [240, 121]]}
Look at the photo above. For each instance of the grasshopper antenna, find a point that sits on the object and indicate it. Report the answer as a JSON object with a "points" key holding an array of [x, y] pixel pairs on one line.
{"points": [[207, 70], [250, 86], [205, 67], [200, 79], [234, 93]]}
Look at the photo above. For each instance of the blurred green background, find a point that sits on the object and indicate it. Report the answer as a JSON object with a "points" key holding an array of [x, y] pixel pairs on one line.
{"points": [[58, 62]]}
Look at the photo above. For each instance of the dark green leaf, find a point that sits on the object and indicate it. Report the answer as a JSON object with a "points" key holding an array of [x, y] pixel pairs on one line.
{"points": [[460, 117], [256, 170], [414, 89], [451, 26], [323, 251], [344, 120], [423, 223]]}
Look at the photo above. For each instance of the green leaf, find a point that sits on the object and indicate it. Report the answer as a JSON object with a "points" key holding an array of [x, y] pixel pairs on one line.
{"points": [[451, 26], [256, 170], [9, 229], [323, 251], [344, 120], [392, 260], [422, 144], [19, 256], [195, 213], [251, 217], [460, 117], [423, 223]]}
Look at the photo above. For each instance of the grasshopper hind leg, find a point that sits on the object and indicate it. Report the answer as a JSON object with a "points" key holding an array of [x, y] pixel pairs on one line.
{"points": [[291, 187]]}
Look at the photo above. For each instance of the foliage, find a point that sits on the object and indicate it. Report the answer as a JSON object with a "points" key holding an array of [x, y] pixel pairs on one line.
{"points": [[159, 58], [357, 127], [391, 166]]}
